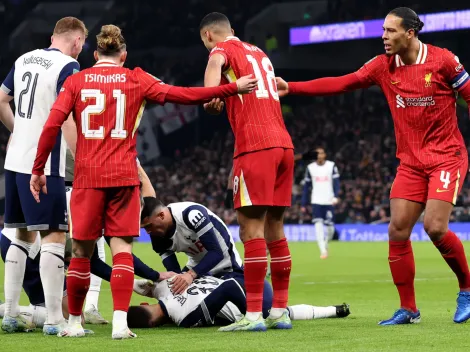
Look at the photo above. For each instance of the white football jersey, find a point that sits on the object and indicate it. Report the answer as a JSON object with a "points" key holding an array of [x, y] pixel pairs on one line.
{"points": [[35, 81], [193, 220], [321, 177], [179, 306], [10, 233]]}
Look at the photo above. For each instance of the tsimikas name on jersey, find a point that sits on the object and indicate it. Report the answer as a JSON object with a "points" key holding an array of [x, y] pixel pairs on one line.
{"points": [[112, 78], [418, 102], [38, 60]]}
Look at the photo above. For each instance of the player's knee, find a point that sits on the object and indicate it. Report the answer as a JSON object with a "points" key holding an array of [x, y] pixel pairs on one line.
{"points": [[399, 231], [435, 228], [53, 237], [121, 245]]}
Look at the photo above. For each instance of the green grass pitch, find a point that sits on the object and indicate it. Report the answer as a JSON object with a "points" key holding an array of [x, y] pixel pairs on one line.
{"points": [[356, 273]]}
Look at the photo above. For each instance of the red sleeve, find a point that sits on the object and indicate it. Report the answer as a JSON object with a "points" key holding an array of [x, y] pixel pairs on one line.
{"points": [[199, 95], [48, 137], [219, 49], [66, 98], [328, 85], [371, 71], [153, 88], [453, 71]]}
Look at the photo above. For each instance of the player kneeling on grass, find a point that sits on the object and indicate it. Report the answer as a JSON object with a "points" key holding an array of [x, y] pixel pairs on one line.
{"points": [[193, 229], [213, 301]]}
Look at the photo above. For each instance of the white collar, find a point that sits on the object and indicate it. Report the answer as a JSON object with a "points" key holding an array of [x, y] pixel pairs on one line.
{"points": [[421, 59], [105, 63], [231, 37]]}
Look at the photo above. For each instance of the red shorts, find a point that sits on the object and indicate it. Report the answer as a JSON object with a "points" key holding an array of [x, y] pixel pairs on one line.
{"points": [[116, 210], [443, 182], [263, 177]]}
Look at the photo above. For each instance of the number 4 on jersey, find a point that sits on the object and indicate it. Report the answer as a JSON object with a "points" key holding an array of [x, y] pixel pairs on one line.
{"points": [[98, 108], [262, 92]]}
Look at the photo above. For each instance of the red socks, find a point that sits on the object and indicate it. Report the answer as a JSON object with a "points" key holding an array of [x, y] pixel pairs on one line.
{"points": [[256, 265], [402, 266], [78, 282], [453, 253], [281, 264], [122, 281]]}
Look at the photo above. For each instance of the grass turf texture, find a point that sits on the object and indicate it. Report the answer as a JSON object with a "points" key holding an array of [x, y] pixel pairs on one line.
{"points": [[356, 273]]}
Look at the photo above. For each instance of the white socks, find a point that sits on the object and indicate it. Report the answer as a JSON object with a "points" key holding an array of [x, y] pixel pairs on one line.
{"points": [[51, 269], [330, 232], [119, 320], [252, 316], [320, 235], [75, 319], [95, 283], [276, 313], [15, 264], [307, 312]]}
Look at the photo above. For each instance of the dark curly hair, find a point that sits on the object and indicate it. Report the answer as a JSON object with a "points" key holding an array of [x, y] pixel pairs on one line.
{"points": [[410, 20]]}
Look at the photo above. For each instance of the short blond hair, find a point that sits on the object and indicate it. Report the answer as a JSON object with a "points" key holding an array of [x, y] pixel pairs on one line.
{"points": [[70, 24], [110, 40]]}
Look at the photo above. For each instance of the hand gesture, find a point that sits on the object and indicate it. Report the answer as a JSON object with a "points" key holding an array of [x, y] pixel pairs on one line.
{"points": [[246, 84], [181, 282], [166, 275], [214, 107], [36, 185], [282, 87]]}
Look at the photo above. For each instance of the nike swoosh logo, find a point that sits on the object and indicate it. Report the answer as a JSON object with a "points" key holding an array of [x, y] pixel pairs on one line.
{"points": [[393, 261], [442, 190], [395, 82]]}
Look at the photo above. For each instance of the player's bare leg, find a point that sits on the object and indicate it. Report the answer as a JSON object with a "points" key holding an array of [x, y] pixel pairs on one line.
{"points": [[252, 222], [51, 266], [436, 225], [281, 264], [15, 265], [78, 281], [122, 283], [404, 215]]}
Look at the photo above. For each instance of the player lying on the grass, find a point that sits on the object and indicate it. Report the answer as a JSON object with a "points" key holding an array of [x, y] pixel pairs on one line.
{"points": [[193, 229], [35, 313], [213, 301], [420, 82]]}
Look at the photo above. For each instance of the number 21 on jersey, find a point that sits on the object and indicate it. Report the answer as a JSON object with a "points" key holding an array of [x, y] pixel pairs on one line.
{"points": [[262, 92], [98, 108]]}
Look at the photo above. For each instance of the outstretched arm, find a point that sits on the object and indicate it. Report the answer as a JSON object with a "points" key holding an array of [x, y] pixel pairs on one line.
{"points": [[323, 86]]}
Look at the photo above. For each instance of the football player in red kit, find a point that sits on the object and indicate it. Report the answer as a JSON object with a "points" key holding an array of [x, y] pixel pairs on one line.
{"points": [[263, 168], [107, 101], [419, 82]]}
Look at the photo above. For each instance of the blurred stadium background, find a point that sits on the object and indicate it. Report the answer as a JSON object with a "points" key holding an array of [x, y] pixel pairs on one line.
{"points": [[187, 153]]}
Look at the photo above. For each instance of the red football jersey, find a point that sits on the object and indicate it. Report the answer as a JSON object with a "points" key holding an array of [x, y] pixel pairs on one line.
{"points": [[422, 100], [256, 118], [107, 102]]}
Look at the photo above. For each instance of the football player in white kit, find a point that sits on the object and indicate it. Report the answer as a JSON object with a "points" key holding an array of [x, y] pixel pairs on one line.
{"points": [[34, 82], [212, 301], [322, 177], [193, 229]]}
